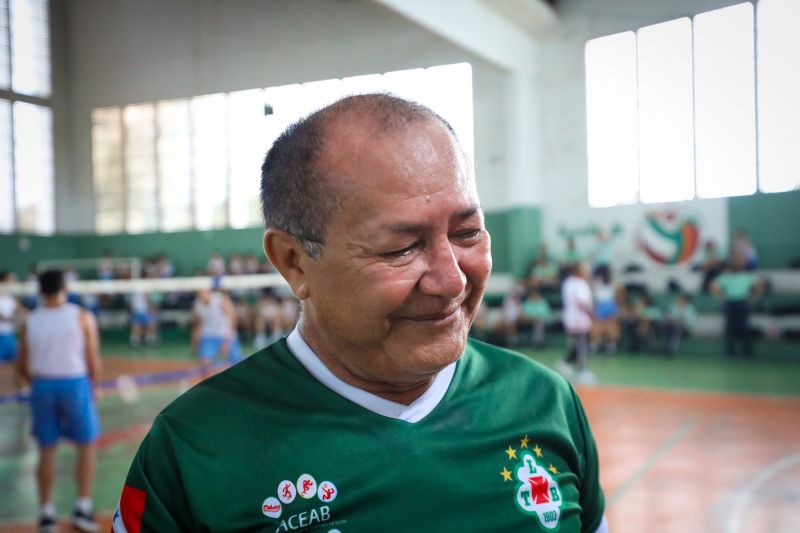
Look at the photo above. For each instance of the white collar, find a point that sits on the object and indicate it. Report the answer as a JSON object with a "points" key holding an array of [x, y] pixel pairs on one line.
{"points": [[414, 412]]}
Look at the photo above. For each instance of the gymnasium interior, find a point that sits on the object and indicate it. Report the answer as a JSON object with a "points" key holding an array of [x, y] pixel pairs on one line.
{"points": [[656, 140]]}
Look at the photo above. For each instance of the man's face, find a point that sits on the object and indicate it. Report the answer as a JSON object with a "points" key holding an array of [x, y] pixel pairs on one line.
{"points": [[406, 256]]}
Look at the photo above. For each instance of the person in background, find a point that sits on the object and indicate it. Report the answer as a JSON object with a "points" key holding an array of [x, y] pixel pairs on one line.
{"points": [[250, 263], [570, 258], [214, 327], [60, 357], [576, 295], [544, 275], [605, 326], [712, 264], [677, 322], [743, 251], [603, 252], [9, 310], [216, 265], [144, 319], [536, 314], [737, 289], [512, 311], [235, 264]]}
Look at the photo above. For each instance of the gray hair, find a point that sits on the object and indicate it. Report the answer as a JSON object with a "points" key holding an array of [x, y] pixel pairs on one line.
{"points": [[296, 195]]}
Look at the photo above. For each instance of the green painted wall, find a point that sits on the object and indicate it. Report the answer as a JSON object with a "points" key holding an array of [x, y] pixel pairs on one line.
{"points": [[515, 235], [188, 250], [773, 223], [19, 252]]}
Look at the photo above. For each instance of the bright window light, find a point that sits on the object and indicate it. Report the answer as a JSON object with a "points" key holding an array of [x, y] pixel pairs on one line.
{"points": [[107, 173], [6, 170], [778, 95], [611, 124], [724, 77], [140, 169], [247, 127], [5, 55], [33, 159], [30, 47], [210, 160], [666, 130], [174, 165]]}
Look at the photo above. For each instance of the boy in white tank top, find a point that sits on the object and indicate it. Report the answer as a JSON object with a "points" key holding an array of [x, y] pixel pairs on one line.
{"points": [[59, 357]]}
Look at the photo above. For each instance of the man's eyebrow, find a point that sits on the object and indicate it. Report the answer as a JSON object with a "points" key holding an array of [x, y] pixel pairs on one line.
{"points": [[414, 229]]}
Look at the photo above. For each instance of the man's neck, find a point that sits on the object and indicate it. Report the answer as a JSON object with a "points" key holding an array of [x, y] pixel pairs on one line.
{"points": [[403, 393]]}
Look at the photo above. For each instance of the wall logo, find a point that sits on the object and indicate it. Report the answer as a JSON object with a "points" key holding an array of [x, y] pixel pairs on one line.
{"points": [[667, 238], [537, 492], [306, 488]]}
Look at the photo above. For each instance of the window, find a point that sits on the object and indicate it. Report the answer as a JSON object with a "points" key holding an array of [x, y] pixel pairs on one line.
{"points": [[194, 163], [26, 122], [691, 103]]}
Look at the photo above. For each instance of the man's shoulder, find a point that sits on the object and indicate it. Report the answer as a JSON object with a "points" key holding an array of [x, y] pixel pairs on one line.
{"points": [[502, 364]]}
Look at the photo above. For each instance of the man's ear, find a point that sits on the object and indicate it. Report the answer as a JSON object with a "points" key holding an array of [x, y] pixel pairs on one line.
{"points": [[286, 253]]}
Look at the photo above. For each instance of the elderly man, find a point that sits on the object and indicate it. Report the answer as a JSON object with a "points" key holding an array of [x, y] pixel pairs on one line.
{"points": [[376, 413]]}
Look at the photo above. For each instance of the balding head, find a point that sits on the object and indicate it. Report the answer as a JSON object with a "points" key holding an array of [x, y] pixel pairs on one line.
{"points": [[297, 192]]}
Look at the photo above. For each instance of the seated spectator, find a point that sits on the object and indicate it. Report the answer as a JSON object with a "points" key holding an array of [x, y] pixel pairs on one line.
{"points": [[535, 313], [743, 250], [677, 323], [603, 252], [605, 326], [250, 263], [244, 318], [216, 264], [570, 258], [641, 324], [512, 311], [274, 317], [711, 264], [235, 264], [105, 269], [544, 275]]}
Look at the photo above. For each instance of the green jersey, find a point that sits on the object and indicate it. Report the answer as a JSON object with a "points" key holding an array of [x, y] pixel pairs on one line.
{"points": [[265, 446], [736, 285]]}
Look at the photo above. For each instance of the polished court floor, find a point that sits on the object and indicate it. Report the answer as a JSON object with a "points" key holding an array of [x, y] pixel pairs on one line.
{"points": [[687, 445]]}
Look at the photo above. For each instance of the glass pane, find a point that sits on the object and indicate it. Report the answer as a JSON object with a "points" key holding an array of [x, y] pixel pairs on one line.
{"points": [[107, 174], [247, 127], [30, 47], [174, 165], [666, 129], [611, 125], [778, 95], [210, 159], [140, 169], [6, 170], [724, 78], [5, 56], [33, 159]]}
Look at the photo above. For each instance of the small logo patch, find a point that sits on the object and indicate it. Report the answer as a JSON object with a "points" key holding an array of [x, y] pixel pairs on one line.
{"points": [[327, 492], [271, 507], [286, 491], [307, 486], [537, 492]]}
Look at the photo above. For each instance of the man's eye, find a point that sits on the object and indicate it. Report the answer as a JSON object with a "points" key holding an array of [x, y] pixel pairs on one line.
{"points": [[468, 234], [401, 253]]}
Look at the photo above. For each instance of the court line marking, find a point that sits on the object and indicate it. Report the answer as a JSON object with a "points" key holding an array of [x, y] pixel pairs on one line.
{"points": [[651, 461], [743, 497]]}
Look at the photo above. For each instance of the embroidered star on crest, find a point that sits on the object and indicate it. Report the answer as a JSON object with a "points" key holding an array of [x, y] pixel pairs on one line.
{"points": [[553, 469], [524, 442], [506, 473], [511, 452], [537, 451]]}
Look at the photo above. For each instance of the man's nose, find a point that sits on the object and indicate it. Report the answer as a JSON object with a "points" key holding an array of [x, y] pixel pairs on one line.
{"points": [[444, 276]]}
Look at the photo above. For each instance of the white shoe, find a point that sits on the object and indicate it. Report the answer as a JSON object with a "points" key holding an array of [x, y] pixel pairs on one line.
{"points": [[585, 377], [564, 368]]}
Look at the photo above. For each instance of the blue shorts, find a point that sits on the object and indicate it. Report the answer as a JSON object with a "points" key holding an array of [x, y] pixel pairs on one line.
{"points": [[64, 408], [8, 347], [211, 347], [606, 309], [142, 319]]}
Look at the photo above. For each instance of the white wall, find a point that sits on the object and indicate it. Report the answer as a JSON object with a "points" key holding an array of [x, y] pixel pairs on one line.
{"points": [[564, 128], [124, 52]]}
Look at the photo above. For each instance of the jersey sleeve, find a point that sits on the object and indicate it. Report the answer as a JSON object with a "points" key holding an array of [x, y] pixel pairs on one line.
{"points": [[592, 499], [153, 498]]}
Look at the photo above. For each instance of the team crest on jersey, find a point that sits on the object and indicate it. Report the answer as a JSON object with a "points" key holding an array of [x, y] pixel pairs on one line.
{"points": [[536, 492], [304, 488]]}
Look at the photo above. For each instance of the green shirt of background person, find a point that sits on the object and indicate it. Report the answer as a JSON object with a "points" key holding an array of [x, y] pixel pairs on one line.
{"points": [[536, 308], [737, 285]]}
